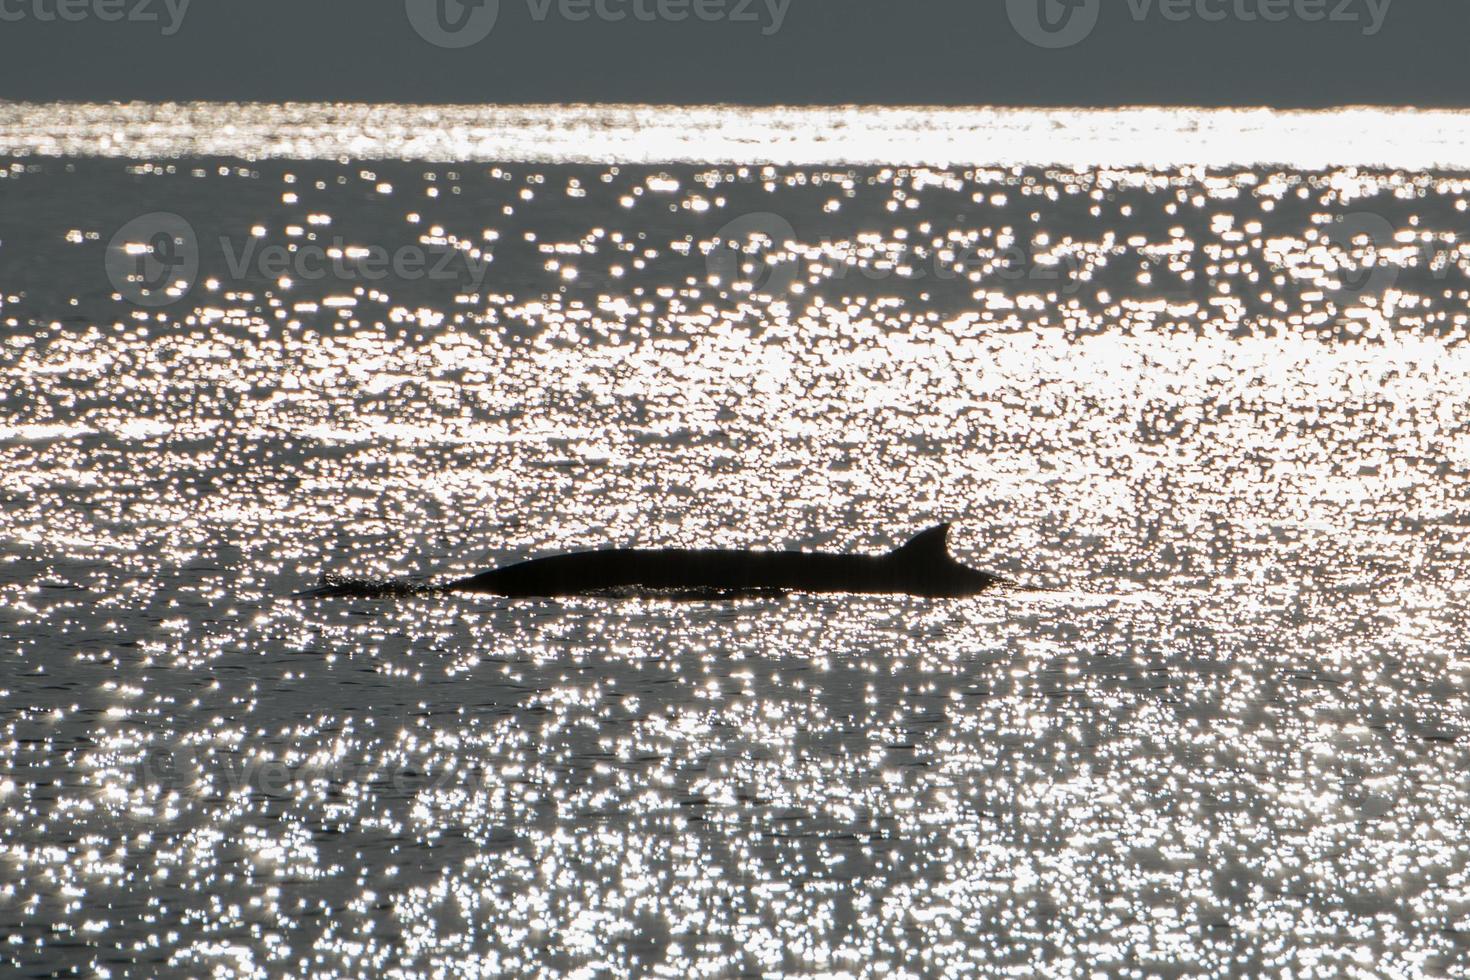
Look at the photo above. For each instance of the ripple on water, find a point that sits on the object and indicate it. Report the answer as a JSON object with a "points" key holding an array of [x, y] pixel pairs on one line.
{"points": [[1228, 739]]}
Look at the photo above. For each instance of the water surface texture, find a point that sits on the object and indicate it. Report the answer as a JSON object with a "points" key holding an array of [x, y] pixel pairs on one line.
{"points": [[1214, 417]]}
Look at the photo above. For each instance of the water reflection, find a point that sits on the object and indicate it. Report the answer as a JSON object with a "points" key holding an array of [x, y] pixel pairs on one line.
{"points": [[1228, 737]]}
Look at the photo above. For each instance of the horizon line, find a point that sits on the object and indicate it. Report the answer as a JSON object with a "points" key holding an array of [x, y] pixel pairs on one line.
{"points": [[1166, 137]]}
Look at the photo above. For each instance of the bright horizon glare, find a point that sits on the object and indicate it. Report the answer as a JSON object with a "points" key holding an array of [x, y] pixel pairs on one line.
{"points": [[1084, 138]]}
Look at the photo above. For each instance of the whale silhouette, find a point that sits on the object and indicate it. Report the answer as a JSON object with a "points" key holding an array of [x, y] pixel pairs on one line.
{"points": [[922, 567]]}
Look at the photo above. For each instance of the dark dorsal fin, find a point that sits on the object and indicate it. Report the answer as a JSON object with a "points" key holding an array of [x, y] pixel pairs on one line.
{"points": [[926, 546]]}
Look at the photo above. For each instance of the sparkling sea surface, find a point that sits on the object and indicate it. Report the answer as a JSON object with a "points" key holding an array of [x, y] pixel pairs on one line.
{"points": [[1212, 419]]}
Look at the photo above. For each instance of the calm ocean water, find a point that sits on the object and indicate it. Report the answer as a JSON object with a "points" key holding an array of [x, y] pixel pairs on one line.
{"points": [[1214, 417]]}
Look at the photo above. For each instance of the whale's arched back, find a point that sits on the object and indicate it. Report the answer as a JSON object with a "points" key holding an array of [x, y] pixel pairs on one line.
{"points": [[922, 566]]}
